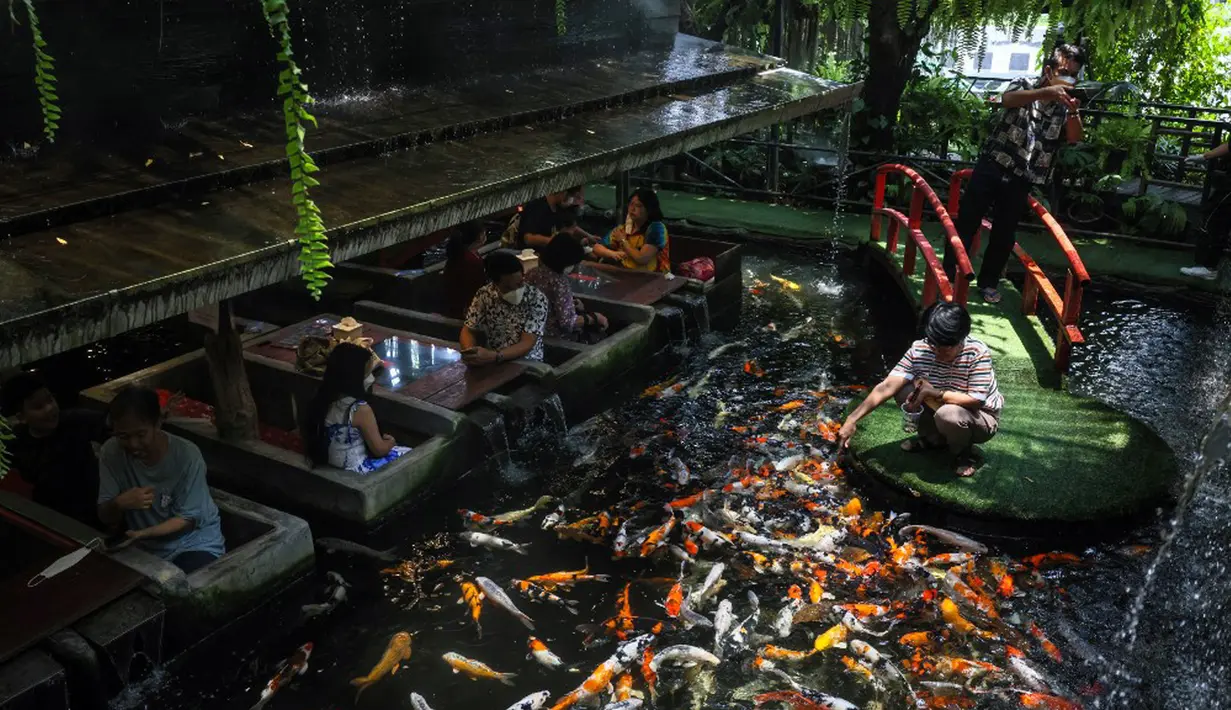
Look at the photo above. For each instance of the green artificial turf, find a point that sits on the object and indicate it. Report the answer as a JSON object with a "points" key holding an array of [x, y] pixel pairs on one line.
{"points": [[1130, 261], [1056, 456]]}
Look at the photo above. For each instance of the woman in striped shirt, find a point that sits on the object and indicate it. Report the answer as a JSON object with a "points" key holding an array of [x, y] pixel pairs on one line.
{"points": [[949, 375]]}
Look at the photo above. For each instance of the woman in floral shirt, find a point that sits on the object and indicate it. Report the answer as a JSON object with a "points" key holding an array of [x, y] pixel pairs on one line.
{"points": [[511, 314], [566, 317]]}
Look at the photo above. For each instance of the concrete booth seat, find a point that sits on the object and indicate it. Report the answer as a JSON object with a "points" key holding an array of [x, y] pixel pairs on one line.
{"points": [[273, 469], [266, 550]]}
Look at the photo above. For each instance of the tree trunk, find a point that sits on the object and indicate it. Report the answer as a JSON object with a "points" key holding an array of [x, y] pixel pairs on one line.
{"points": [[801, 36], [234, 408], [891, 58]]}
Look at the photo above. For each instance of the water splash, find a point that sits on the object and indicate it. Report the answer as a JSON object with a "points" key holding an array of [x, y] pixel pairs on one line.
{"points": [[842, 170], [553, 407]]}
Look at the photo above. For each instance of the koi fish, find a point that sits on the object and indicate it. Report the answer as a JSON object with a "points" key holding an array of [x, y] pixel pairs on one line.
{"points": [[534, 701], [1045, 643], [473, 598], [777, 653], [333, 544], [657, 537], [497, 596], [857, 668], [418, 702], [865, 611], [948, 558], [675, 600], [540, 653], [534, 592], [785, 284], [598, 682], [981, 602], [723, 349], [517, 516], [1048, 702], [553, 518], [476, 670], [804, 699], [965, 667], [683, 654], [551, 580], [396, 653], [1004, 580], [1052, 558], [287, 671], [708, 537], [623, 688], [953, 617], [835, 637], [918, 639], [477, 521], [946, 536], [491, 542]]}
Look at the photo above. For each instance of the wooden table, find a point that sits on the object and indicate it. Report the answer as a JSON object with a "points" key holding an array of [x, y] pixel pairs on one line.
{"points": [[30, 614], [453, 386], [640, 287]]}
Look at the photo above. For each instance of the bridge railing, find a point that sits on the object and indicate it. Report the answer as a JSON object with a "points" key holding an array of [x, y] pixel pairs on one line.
{"points": [[1066, 309], [936, 282]]}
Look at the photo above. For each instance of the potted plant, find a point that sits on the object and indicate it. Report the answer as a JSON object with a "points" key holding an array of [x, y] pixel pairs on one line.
{"points": [[1155, 217]]}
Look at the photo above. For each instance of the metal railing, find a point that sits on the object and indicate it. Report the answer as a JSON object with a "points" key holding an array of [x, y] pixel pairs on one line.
{"points": [[936, 282], [1066, 309]]}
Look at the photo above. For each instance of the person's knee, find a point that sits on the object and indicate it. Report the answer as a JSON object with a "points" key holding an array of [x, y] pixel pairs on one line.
{"points": [[952, 416]]}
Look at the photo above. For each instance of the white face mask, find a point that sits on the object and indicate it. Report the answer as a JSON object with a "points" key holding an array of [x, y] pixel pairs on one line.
{"points": [[1068, 80], [569, 269], [369, 381], [61, 565], [514, 297]]}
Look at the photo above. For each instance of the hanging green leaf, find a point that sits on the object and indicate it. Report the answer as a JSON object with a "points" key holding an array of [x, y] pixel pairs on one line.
{"points": [[44, 79], [314, 258], [561, 19]]}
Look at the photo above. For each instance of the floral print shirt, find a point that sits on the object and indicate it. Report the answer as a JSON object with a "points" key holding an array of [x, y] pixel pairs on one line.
{"points": [[562, 315], [503, 323]]}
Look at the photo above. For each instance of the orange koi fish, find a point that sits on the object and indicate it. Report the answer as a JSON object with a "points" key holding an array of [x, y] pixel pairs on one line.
{"points": [[1047, 702], [857, 668], [648, 673], [623, 688], [1004, 580], [658, 389], [791, 406], [948, 558], [288, 670], [1052, 558], [657, 537], [865, 611], [803, 699], [472, 597], [752, 368], [815, 591], [598, 682], [979, 601], [1045, 643], [949, 612], [396, 653], [964, 667], [478, 520], [777, 653], [675, 600], [551, 580], [918, 639], [624, 613], [687, 502], [853, 507]]}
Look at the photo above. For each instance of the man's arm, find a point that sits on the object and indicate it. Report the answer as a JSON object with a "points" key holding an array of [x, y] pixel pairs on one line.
{"points": [[1220, 152], [166, 528], [536, 240], [467, 339], [521, 348], [1025, 97], [881, 393]]}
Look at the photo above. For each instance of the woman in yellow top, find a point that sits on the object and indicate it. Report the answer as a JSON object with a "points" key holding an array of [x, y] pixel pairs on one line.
{"points": [[641, 242]]}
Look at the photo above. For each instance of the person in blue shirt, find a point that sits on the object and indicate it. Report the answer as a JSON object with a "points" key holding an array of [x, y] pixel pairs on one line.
{"points": [[154, 484]]}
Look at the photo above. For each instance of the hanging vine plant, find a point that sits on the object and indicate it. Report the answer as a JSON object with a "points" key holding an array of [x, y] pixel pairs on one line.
{"points": [[561, 18], [44, 65], [310, 227]]}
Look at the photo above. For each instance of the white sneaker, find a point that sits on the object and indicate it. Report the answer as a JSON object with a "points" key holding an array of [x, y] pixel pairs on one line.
{"points": [[1199, 272]]}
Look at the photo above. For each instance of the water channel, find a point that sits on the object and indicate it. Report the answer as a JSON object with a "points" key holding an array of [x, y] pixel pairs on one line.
{"points": [[1166, 363]]}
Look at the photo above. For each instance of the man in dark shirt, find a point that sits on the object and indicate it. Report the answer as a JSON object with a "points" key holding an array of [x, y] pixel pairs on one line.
{"points": [[1018, 155], [53, 450], [1215, 229], [547, 216]]}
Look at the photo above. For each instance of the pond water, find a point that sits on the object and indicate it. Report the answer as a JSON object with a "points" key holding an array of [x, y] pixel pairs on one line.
{"points": [[811, 336]]}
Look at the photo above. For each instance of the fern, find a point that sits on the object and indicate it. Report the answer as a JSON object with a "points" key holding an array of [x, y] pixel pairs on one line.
{"points": [[309, 228], [44, 79], [561, 26]]}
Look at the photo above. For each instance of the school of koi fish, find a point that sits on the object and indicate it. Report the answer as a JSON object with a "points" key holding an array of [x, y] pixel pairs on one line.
{"points": [[761, 581]]}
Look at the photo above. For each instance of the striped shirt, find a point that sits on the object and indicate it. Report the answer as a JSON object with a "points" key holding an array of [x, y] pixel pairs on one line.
{"points": [[970, 373]]}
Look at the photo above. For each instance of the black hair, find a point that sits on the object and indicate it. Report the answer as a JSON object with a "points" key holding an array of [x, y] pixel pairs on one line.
{"points": [[649, 198], [17, 390], [946, 324], [501, 263], [464, 235], [139, 401], [1071, 52], [345, 371], [561, 252]]}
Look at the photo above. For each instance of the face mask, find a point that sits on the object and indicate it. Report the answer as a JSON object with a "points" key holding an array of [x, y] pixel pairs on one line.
{"points": [[1067, 80], [569, 269], [61, 565], [369, 381], [514, 297]]}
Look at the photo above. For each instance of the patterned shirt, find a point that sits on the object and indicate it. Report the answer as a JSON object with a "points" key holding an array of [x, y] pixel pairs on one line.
{"points": [[654, 234], [1026, 138], [504, 323], [562, 315], [970, 373]]}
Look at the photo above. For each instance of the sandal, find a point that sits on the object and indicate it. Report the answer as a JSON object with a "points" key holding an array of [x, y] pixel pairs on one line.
{"points": [[917, 445], [966, 466], [990, 295]]}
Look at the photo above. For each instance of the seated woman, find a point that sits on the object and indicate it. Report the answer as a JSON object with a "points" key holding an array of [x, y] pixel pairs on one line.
{"points": [[463, 272], [566, 318], [641, 242], [340, 429], [154, 482]]}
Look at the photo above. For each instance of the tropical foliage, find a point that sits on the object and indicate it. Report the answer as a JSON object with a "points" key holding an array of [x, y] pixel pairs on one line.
{"points": [[309, 228], [44, 78]]}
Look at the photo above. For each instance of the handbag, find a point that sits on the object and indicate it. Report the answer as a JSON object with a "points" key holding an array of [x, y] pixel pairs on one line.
{"points": [[701, 268]]}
